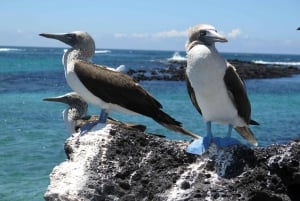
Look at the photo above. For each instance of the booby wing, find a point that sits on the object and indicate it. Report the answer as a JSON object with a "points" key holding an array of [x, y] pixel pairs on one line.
{"points": [[89, 119], [192, 95], [116, 88], [120, 89], [237, 93]]}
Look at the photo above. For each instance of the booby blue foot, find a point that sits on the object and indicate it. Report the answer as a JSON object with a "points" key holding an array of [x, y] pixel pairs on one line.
{"points": [[87, 127], [102, 120], [225, 141], [199, 146]]}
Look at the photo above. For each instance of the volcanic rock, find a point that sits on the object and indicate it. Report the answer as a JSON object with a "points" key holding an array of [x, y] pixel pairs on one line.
{"points": [[115, 163]]}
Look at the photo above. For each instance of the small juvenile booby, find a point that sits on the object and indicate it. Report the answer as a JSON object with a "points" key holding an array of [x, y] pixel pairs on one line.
{"points": [[76, 111], [76, 118], [111, 90], [215, 89]]}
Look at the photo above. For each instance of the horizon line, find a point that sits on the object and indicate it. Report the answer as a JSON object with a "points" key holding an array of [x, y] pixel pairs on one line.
{"points": [[61, 47]]}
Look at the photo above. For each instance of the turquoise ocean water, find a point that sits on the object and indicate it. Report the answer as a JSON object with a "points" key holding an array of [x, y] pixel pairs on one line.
{"points": [[32, 131]]}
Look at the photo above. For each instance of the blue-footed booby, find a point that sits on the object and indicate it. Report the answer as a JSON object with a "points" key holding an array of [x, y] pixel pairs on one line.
{"points": [[76, 118], [110, 90], [215, 89]]}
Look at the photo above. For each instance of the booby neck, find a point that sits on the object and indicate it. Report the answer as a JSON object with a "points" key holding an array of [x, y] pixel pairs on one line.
{"points": [[202, 56], [74, 54], [76, 111], [70, 116], [191, 45]]}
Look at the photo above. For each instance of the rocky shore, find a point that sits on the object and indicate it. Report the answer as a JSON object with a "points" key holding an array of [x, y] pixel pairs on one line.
{"points": [[175, 71], [116, 163]]}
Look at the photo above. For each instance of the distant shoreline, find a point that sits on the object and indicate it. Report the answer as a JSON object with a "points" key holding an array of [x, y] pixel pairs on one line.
{"points": [[175, 71]]}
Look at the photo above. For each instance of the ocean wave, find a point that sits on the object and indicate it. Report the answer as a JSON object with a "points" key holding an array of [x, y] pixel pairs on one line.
{"points": [[102, 51], [10, 49], [290, 63], [96, 51], [177, 57]]}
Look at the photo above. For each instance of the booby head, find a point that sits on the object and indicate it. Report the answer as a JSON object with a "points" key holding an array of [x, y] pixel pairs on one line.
{"points": [[77, 40], [73, 100], [204, 34], [77, 109]]}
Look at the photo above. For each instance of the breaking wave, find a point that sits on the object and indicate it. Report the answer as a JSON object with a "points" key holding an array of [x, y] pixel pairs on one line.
{"points": [[102, 51], [291, 63], [96, 51], [10, 49], [177, 57]]}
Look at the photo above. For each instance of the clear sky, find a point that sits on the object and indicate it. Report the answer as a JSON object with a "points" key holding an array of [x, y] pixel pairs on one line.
{"points": [[254, 26]]}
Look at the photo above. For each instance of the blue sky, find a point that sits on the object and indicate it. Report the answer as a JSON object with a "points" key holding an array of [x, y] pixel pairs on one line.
{"points": [[267, 26]]}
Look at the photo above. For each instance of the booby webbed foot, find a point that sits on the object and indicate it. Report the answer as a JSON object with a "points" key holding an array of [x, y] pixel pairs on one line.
{"points": [[225, 141], [87, 127], [199, 146]]}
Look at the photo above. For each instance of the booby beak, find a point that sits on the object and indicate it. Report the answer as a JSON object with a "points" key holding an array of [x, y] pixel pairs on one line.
{"points": [[213, 35], [68, 38], [60, 99]]}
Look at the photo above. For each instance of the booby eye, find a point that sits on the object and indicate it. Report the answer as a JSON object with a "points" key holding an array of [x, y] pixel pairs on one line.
{"points": [[202, 33], [71, 39], [71, 36]]}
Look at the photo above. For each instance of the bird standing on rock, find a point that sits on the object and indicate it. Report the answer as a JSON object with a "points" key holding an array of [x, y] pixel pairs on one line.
{"points": [[215, 89], [111, 90]]}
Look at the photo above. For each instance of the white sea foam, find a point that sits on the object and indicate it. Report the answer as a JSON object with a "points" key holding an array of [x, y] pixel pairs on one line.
{"points": [[10, 49], [121, 68], [277, 63], [102, 51], [177, 57], [96, 51]]}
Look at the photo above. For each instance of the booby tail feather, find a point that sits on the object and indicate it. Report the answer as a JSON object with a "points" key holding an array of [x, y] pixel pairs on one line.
{"points": [[167, 121], [246, 133], [253, 122]]}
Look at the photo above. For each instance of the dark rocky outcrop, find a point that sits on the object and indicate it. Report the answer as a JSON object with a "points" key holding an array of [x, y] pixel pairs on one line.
{"points": [[175, 71], [119, 164]]}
